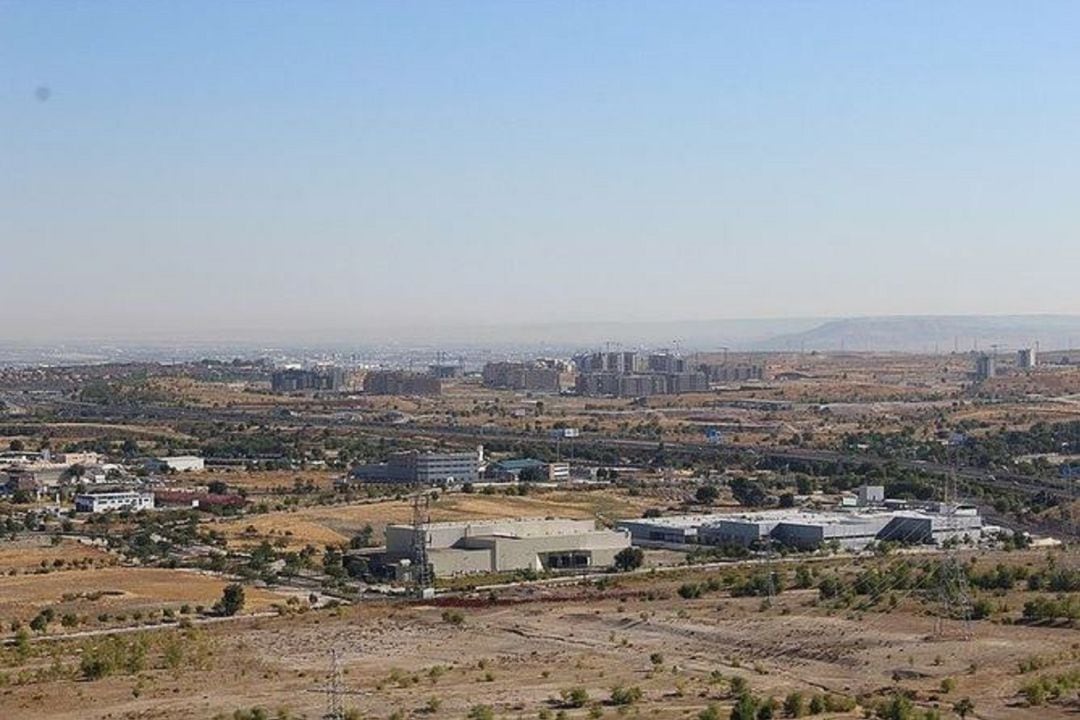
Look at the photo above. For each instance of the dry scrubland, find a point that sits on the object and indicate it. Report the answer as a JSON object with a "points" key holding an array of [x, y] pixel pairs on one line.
{"points": [[322, 525], [116, 590], [519, 654]]}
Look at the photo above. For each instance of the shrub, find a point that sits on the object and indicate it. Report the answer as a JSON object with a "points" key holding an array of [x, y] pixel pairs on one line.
{"points": [[629, 558], [481, 712], [575, 697], [625, 695], [794, 705], [689, 591], [712, 712], [232, 599]]}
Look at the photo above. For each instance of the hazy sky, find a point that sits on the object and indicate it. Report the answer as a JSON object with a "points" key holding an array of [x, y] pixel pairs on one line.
{"points": [[249, 167]]}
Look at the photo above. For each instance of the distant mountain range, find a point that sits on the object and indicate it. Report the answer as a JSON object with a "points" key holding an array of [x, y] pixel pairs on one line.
{"points": [[930, 333], [908, 333]]}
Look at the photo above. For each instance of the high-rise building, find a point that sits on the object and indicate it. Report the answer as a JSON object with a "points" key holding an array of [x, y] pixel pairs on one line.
{"points": [[1026, 359], [399, 382], [985, 367], [295, 379], [532, 377]]}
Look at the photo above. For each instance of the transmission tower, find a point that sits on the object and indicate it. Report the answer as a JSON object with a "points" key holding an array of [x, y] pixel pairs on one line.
{"points": [[334, 690], [952, 576], [421, 567], [770, 574]]}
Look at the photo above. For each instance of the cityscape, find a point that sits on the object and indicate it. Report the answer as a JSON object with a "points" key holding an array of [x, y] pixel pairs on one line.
{"points": [[420, 360]]}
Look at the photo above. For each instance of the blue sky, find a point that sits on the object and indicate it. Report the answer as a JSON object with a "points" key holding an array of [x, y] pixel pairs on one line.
{"points": [[244, 168]]}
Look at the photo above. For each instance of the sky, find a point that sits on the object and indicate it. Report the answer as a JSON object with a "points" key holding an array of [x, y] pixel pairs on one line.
{"points": [[248, 169]]}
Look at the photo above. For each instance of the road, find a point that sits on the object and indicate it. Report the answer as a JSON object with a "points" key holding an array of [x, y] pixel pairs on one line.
{"points": [[1007, 481]]}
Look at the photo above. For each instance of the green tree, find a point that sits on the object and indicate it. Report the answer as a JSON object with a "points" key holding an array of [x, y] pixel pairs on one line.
{"points": [[481, 712], [794, 705], [707, 494], [232, 599], [745, 708], [575, 697], [963, 707], [629, 558]]}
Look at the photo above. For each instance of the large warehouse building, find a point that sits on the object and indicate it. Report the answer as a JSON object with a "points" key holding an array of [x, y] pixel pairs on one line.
{"points": [[808, 530], [483, 546]]}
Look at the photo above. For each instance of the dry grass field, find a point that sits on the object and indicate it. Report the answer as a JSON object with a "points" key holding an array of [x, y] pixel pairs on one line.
{"points": [[335, 524], [29, 555], [115, 590], [519, 654]]}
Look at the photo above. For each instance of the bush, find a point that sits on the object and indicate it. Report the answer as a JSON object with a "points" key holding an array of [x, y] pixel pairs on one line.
{"points": [[746, 708], [689, 591], [629, 558], [707, 494], [710, 713], [232, 599], [453, 617], [793, 705], [575, 697], [481, 712], [625, 695]]}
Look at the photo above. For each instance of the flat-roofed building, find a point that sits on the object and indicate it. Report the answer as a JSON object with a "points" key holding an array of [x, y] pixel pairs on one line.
{"points": [[296, 379], [99, 502], [531, 377], [424, 468], [399, 382], [483, 546], [809, 530], [176, 463]]}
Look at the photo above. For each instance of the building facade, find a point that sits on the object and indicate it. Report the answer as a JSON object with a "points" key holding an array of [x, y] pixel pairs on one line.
{"points": [[131, 500], [485, 546], [531, 377], [399, 382], [424, 468], [295, 379]]}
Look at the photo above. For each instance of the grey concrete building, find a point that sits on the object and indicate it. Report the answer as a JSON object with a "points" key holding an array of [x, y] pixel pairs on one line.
{"points": [[985, 367], [532, 377], [399, 382], [456, 548], [294, 379], [806, 530], [424, 468]]}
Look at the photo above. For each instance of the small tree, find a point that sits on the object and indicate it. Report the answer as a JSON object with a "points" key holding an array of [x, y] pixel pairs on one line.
{"points": [[963, 707], [481, 712], [707, 494], [629, 558], [625, 695], [745, 708], [232, 599], [575, 697], [793, 705]]}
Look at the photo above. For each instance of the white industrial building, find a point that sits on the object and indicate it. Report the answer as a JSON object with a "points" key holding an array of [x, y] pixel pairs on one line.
{"points": [[673, 529], [114, 501], [809, 530], [484, 546], [176, 463]]}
